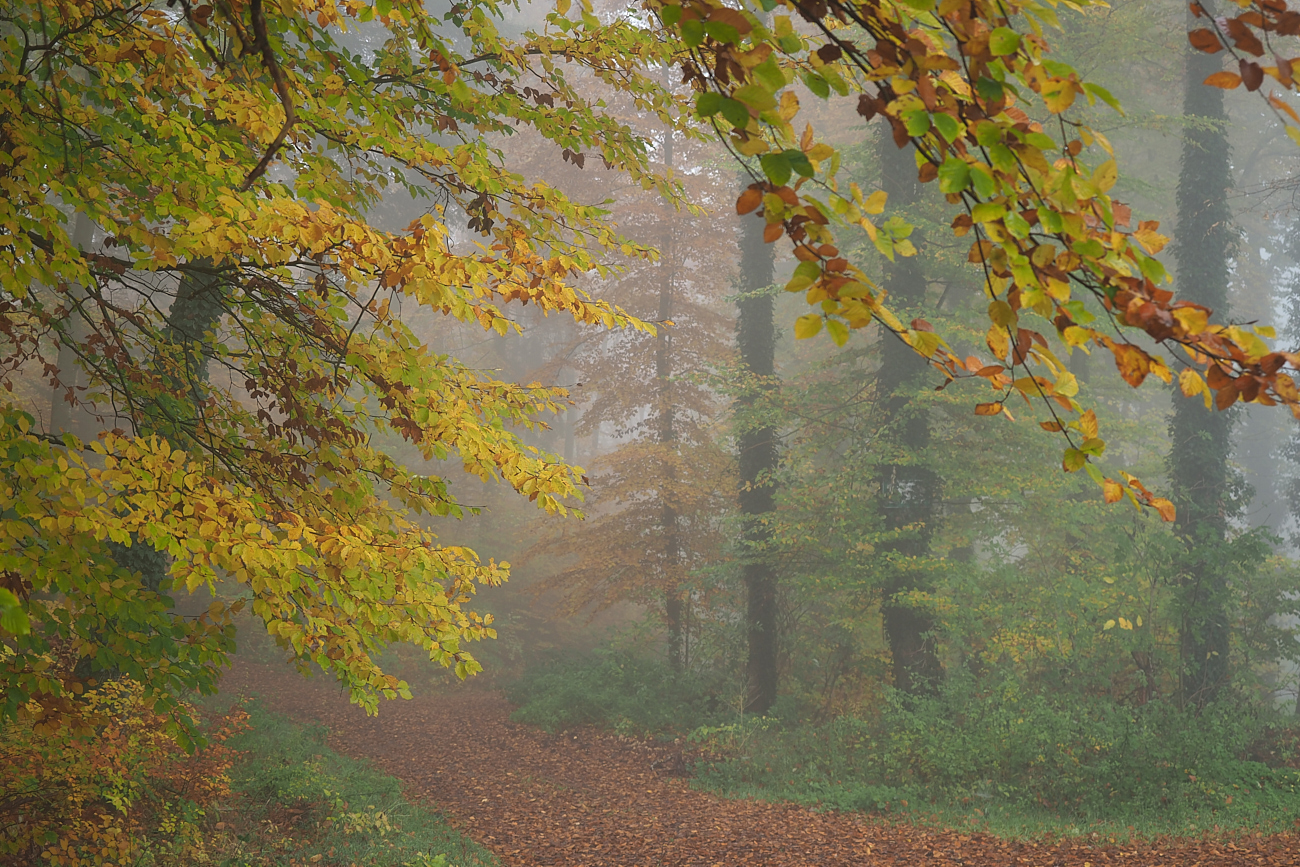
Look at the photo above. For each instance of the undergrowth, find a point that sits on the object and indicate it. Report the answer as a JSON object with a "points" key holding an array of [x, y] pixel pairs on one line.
{"points": [[261, 792], [296, 801], [619, 691], [983, 755]]}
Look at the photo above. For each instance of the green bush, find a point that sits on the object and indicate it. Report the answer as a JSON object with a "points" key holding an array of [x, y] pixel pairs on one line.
{"points": [[982, 749], [618, 691]]}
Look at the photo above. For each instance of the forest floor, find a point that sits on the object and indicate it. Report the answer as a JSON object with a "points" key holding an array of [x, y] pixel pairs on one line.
{"points": [[589, 799]]}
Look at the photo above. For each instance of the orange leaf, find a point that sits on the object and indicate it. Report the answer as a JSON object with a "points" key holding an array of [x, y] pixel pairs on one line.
{"points": [[988, 408], [749, 200], [1111, 491], [1164, 507], [1226, 80], [1205, 40], [1282, 106]]}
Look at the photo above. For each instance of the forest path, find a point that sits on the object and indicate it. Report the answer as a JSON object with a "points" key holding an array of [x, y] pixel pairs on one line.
{"points": [[587, 799]]}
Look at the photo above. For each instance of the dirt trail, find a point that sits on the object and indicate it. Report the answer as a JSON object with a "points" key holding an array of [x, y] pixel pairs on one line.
{"points": [[589, 800]]}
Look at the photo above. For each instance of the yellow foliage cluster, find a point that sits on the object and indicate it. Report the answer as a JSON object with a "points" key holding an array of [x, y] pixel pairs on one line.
{"points": [[106, 788]]}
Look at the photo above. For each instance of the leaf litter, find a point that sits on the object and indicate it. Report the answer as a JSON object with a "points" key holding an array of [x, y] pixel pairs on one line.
{"points": [[585, 798]]}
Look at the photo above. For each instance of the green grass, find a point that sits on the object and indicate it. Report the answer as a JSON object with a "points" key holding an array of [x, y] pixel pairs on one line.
{"points": [[297, 801]]}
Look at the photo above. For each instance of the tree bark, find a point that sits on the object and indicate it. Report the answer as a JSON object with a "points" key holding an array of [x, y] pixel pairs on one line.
{"points": [[1201, 441], [64, 415], [909, 493], [675, 600], [758, 457]]}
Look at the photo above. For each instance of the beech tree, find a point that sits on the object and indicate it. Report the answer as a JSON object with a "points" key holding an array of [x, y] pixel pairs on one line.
{"points": [[957, 81], [238, 349]]}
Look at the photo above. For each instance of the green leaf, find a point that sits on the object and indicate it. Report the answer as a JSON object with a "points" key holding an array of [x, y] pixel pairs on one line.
{"points": [[948, 126], [1003, 41], [693, 32], [707, 103], [1096, 91], [988, 89], [954, 175], [799, 162], [756, 96], [13, 619], [670, 15], [1017, 225], [1153, 269], [735, 113], [917, 122], [776, 167], [769, 74], [722, 32], [838, 331], [815, 83], [984, 182]]}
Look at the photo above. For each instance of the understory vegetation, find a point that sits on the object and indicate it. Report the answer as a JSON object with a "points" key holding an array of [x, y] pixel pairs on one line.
{"points": [[263, 791], [984, 753]]}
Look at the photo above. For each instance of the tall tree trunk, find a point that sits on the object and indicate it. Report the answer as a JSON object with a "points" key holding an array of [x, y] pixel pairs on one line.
{"points": [[1201, 441], [756, 336], [675, 599], [909, 493]]}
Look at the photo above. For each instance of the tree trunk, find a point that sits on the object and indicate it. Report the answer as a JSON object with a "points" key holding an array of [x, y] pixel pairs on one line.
{"points": [[909, 494], [675, 600], [1201, 441], [756, 336], [64, 415]]}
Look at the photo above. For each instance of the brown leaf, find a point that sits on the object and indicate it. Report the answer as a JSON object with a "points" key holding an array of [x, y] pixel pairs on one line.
{"points": [[1252, 75], [1205, 40], [749, 200], [1244, 39]]}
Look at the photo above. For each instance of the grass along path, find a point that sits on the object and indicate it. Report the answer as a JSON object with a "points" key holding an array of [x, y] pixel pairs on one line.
{"points": [[587, 799]]}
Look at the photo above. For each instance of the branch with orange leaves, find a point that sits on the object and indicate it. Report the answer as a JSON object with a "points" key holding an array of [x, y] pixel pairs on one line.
{"points": [[1046, 234]]}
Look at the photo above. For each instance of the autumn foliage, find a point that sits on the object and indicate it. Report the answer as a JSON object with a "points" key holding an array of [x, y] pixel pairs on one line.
{"points": [[108, 787]]}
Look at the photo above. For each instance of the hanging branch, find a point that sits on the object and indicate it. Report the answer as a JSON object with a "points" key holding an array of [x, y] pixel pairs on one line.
{"points": [[281, 84]]}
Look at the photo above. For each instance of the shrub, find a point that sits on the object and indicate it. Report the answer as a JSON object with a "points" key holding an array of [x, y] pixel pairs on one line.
{"points": [[106, 784], [619, 691]]}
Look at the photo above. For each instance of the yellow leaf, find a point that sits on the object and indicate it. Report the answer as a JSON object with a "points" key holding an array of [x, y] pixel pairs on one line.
{"points": [[807, 326], [1105, 176], [1193, 319], [1190, 382], [1088, 424]]}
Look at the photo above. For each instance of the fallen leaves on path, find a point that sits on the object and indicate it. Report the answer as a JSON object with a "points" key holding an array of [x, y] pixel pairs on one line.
{"points": [[587, 799]]}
